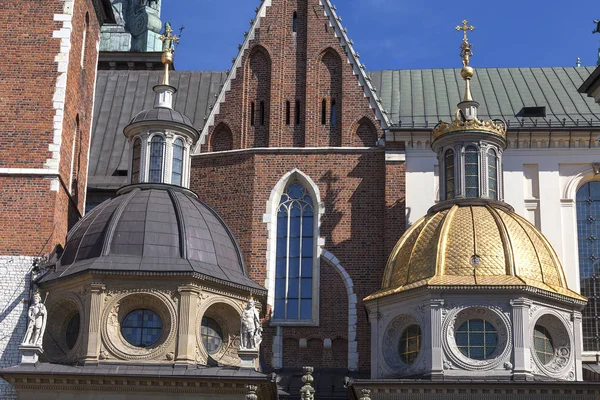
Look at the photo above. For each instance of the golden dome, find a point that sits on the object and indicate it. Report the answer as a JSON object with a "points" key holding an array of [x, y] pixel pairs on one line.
{"points": [[475, 243]]}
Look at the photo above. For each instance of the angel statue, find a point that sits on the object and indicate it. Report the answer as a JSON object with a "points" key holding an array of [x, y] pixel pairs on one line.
{"points": [[38, 315], [251, 332]]}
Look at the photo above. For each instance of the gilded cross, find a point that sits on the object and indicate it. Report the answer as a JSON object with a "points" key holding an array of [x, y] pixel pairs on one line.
{"points": [[465, 28], [465, 47], [168, 39]]}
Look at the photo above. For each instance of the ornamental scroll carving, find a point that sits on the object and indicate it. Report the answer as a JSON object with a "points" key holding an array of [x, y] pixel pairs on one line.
{"points": [[454, 318], [119, 303]]}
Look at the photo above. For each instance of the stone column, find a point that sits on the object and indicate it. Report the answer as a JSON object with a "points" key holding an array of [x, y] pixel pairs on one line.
{"points": [[578, 344], [93, 302], [521, 338], [436, 358], [186, 337]]}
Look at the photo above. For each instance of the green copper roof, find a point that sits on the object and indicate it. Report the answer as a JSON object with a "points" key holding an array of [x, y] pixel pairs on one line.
{"points": [[421, 98]]}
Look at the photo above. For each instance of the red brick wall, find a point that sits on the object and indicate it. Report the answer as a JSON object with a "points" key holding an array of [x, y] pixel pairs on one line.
{"points": [[306, 66], [28, 78], [353, 189]]}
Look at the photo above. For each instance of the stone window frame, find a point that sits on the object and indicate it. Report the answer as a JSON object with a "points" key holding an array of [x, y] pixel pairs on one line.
{"points": [[270, 218], [562, 365], [119, 306], [494, 315], [167, 170], [459, 169], [391, 341]]}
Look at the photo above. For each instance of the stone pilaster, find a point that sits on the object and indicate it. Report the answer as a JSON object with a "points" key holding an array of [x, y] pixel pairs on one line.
{"points": [[521, 338], [94, 300], [186, 337], [578, 344], [436, 357]]}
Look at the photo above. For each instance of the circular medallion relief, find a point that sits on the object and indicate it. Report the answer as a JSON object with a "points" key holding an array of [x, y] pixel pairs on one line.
{"points": [[139, 326], [476, 338], [402, 344], [552, 346]]}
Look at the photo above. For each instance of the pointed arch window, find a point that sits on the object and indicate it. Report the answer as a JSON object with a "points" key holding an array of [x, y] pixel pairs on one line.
{"points": [[177, 170], [333, 119], [324, 112], [135, 162], [287, 112], [471, 172], [157, 151], [297, 112], [295, 255], [588, 240], [492, 160], [449, 174], [295, 22], [262, 113]]}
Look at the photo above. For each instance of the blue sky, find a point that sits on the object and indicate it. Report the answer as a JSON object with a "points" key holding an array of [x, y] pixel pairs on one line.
{"points": [[398, 34]]}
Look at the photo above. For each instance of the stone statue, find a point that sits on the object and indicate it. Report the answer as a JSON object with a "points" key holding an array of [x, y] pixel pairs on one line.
{"points": [[251, 328], [36, 325]]}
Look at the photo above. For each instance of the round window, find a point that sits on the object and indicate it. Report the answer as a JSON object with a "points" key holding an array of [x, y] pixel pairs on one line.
{"points": [[212, 335], [477, 339], [410, 344], [542, 342], [72, 331], [141, 328]]}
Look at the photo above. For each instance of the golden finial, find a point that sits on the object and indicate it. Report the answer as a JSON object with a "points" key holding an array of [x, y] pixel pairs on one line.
{"points": [[169, 41], [466, 54]]}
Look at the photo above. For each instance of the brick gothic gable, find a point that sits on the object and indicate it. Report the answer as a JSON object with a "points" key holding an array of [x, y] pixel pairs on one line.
{"points": [[296, 82]]}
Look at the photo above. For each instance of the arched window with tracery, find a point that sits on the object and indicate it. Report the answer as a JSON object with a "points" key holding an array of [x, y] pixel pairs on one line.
{"points": [[588, 238], [177, 170], [135, 162], [449, 174], [471, 171], [492, 160], [157, 151], [295, 255]]}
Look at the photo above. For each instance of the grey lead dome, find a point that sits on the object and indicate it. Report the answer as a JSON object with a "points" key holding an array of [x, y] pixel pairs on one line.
{"points": [[157, 229], [162, 114]]}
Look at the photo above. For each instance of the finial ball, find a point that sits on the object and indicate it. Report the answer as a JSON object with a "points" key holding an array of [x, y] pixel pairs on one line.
{"points": [[467, 72]]}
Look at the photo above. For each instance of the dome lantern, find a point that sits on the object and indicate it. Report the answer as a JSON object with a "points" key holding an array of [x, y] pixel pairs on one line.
{"points": [[469, 150], [161, 138]]}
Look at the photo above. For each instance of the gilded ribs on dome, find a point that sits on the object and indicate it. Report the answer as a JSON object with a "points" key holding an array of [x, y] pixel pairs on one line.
{"points": [[483, 244]]}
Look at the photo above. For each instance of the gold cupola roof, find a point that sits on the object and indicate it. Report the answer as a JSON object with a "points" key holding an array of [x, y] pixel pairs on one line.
{"points": [[474, 244], [466, 113]]}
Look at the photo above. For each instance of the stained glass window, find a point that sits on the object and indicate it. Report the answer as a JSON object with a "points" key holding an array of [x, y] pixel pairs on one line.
{"points": [[410, 344], [177, 172], [588, 237], [477, 339], [141, 328], [135, 167], [212, 335], [471, 172], [72, 332], [542, 343], [157, 148], [295, 253], [449, 167], [492, 160]]}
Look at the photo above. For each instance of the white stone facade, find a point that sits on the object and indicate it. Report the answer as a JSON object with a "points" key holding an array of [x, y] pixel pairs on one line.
{"points": [[439, 317], [14, 292]]}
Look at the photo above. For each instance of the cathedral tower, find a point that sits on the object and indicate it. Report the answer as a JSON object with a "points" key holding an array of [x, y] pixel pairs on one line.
{"points": [[48, 74]]}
